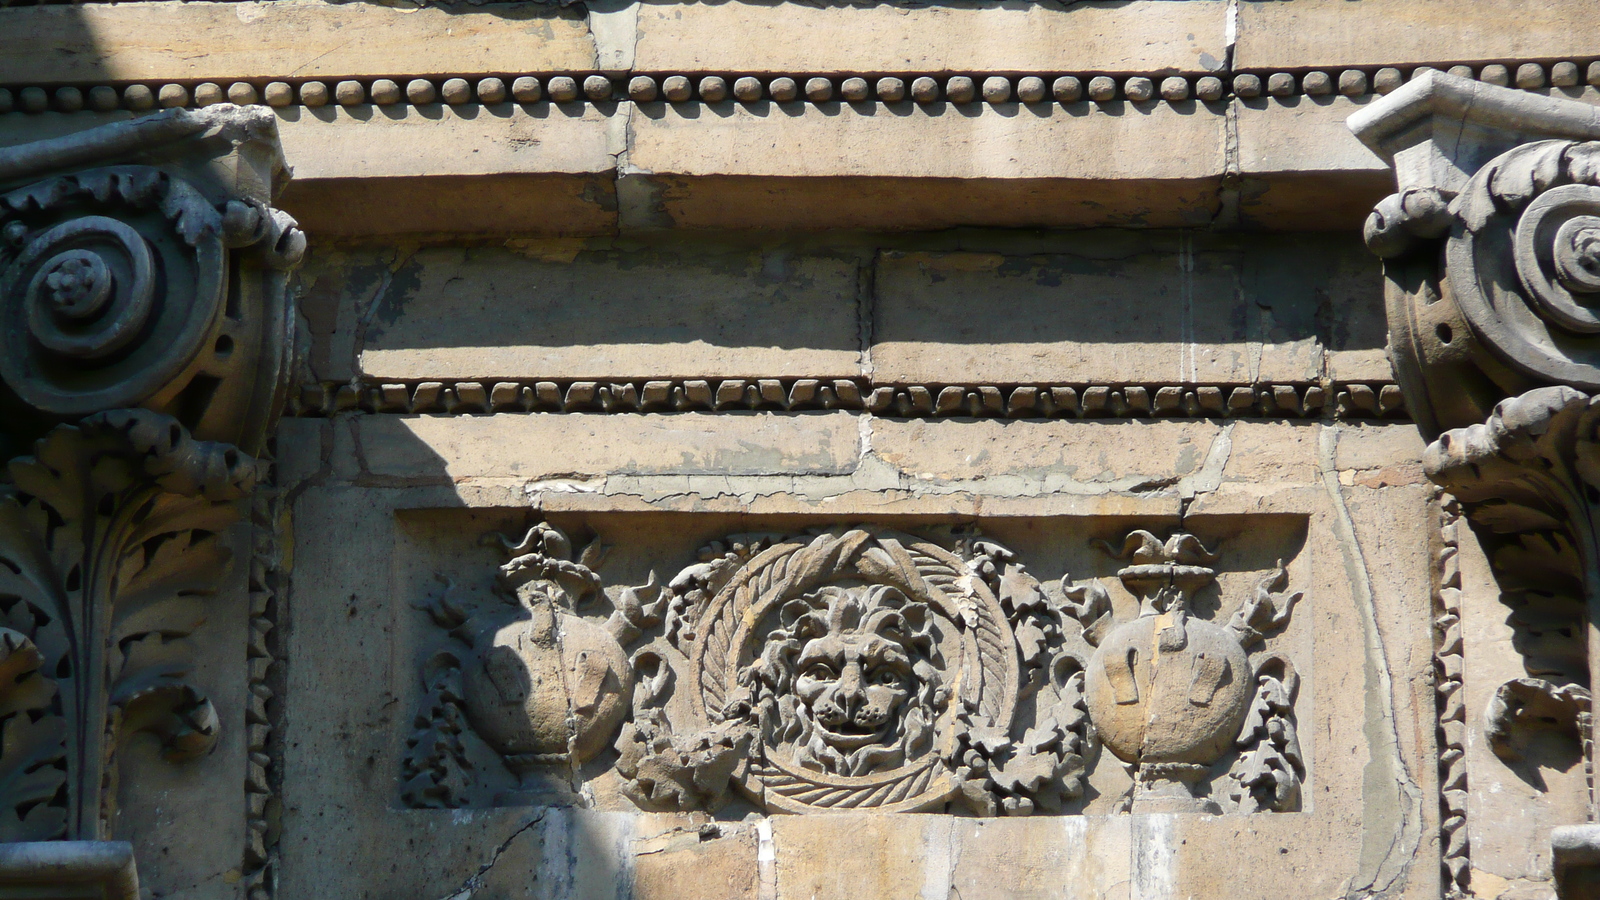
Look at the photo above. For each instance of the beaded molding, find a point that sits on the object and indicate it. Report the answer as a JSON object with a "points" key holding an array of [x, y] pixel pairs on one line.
{"points": [[923, 89], [1343, 400], [266, 599], [1449, 664]]}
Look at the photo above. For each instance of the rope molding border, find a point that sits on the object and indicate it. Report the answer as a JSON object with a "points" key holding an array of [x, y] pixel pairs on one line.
{"points": [[1340, 400], [923, 90]]}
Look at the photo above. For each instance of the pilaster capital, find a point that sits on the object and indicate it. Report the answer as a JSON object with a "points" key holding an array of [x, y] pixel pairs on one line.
{"points": [[146, 333]]}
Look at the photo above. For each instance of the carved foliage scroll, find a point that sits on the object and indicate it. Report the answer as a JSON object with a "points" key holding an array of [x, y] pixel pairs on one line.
{"points": [[115, 292]]}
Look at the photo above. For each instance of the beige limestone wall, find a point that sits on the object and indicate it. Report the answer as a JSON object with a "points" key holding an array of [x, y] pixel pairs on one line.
{"points": [[1210, 114], [1099, 307], [668, 319]]}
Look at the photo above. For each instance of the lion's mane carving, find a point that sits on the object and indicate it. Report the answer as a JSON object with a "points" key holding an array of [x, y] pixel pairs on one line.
{"points": [[850, 680]]}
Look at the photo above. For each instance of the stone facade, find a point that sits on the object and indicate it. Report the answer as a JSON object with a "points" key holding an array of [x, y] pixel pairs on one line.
{"points": [[772, 450]]}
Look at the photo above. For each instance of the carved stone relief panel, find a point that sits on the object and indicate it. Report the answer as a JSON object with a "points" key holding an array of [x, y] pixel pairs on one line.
{"points": [[883, 666], [598, 682]]}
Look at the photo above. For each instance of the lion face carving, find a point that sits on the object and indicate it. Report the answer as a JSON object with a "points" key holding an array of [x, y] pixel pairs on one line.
{"points": [[849, 680]]}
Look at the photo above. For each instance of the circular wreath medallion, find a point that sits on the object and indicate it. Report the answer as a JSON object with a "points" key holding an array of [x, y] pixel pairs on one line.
{"points": [[853, 651]]}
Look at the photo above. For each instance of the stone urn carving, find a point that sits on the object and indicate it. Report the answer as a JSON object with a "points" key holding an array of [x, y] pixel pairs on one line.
{"points": [[539, 683], [546, 688], [1169, 692]]}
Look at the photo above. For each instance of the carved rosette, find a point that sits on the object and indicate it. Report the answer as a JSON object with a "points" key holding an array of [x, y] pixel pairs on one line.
{"points": [[853, 652]]}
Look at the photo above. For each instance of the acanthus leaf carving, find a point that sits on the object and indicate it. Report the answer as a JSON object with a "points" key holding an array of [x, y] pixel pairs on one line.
{"points": [[111, 548]]}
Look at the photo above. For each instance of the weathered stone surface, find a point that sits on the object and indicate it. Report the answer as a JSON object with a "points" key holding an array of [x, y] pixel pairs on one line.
{"points": [[589, 312], [791, 38], [1053, 456], [1018, 558], [375, 170], [1026, 164], [1208, 312], [1401, 32], [1301, 164], [425, 449], [272, 40], [1350, 829]]}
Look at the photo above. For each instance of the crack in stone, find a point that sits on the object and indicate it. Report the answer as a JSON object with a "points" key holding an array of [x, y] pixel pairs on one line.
{"points": [[1380, 868], [474, 882]]}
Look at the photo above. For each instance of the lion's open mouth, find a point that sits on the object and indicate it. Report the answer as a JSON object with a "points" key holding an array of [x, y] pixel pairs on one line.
{"points": [[850, 735]]}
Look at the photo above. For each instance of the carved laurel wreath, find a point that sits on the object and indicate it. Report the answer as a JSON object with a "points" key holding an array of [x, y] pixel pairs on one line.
{"points": [[983, 672]]}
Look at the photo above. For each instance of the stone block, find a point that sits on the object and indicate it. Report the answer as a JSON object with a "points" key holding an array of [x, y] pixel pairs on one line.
{"points": [[1315, 304], [1272, 452], [376, 170], [1301, 165], [1027, 457], [1085, 858], [427, 449], [283, 39], [904, 857], [904, 166], [561, 310], [1409, 32], [1140, 312], [717, 861], [794, 38]]}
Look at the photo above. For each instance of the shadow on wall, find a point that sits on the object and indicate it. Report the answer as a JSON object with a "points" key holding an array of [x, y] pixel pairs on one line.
{"points": [[585, 310]]}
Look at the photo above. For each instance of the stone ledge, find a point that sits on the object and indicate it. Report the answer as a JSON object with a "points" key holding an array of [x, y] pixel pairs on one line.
{"points": [[914, 401], [598, 168], [97, 42], [1139, 36], [866, 166], [1314, 33], [504, 169]]}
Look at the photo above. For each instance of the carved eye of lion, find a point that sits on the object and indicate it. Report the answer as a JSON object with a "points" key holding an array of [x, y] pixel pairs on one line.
{"points": [[886, 676], [820, 672]]}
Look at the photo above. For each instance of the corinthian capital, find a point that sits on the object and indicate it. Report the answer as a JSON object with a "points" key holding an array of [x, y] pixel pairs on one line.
{"points": [[145, 334], [1491, 249]]}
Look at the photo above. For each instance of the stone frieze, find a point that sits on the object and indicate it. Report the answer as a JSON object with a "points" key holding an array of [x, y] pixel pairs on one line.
{"points": [[858, 668]]}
